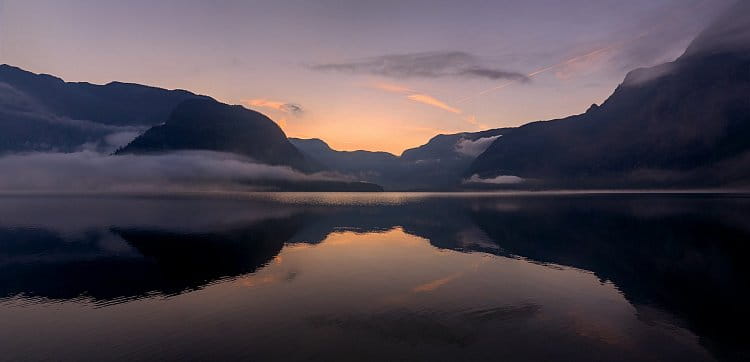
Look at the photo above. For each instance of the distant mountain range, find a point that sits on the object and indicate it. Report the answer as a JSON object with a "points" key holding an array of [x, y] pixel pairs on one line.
{"points": [[437, 165], [682, 124]]}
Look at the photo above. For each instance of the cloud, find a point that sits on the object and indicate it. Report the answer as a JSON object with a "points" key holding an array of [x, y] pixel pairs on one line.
{"points": [[656, 39], [416, 96], [121, 139], [582, 64], [499, 180], [291, 108], [423, 65], [88, 171], [13, 100], [393, 88], [432, 101], [494, 74], [564, 69], [474, 148]]}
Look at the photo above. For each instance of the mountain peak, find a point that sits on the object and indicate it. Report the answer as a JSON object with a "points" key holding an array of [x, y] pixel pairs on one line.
{"points": [[312, 142], [206, 124]]}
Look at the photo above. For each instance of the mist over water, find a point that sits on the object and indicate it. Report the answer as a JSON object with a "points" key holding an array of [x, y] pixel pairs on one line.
{"points": [[350, 276], [88, 171]]}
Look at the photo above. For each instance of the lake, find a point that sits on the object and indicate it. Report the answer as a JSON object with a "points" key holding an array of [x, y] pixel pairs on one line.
{"points": [[392, 276]]}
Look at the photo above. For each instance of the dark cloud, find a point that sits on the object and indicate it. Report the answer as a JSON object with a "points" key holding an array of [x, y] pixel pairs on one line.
{"points": [[423, 65], [494, 74], [293, 108]]}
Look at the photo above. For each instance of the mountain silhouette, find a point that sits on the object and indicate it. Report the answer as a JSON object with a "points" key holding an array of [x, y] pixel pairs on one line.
{"points": [[680, 124], [166, 262], [368, 166], [39, 112], [201, 124]]}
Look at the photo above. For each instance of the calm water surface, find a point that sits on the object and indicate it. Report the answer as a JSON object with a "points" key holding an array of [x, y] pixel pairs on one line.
{"points": [[604, 277]]}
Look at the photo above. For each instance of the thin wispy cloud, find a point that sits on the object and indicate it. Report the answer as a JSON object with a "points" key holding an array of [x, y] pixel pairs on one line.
{"points": [[562, 69], [423, 65], [537, 72], [291, 108], [393, 88], [426, 99], [416, 96], [432, 101]]}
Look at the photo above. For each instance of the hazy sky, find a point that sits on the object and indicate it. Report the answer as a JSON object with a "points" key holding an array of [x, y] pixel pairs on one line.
{"points": [[377, 75]]}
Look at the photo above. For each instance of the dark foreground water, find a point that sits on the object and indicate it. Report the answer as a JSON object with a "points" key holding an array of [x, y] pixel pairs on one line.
{"points": [[375, 277]]}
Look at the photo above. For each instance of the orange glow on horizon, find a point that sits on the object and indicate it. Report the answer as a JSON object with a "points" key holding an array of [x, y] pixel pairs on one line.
{"points": [[369, 138], [366, 130]]}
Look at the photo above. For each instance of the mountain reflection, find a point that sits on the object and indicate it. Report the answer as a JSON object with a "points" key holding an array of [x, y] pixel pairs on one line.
{"points": [[679, 260], [122, 256]]}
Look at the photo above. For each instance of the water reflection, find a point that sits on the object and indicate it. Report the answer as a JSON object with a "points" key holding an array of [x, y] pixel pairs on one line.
{"points": [[418, 276]]}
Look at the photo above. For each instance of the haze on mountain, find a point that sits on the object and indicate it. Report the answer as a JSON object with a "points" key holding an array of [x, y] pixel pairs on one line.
{"points": [[207, 125], [681, 124], [59, 134], [40, 112], [202, 124]]}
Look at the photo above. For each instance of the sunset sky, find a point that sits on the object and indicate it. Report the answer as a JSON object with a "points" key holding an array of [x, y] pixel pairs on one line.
{"points": [[376, 75]]}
